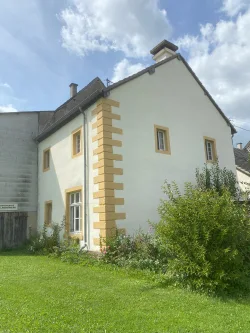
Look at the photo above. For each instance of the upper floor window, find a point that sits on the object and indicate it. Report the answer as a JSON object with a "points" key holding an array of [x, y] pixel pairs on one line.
{"points": [[162, 141], [210, 149], [77, 142], [46, 159]]}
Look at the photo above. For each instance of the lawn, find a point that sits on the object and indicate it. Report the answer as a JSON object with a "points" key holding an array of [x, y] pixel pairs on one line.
{"points": [[38, 294]]}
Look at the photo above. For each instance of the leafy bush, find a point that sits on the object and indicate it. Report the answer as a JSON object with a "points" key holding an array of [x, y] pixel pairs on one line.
{"points": [[45, 242], [70, 252], [143, 251], [207, 236], [213, 177]]}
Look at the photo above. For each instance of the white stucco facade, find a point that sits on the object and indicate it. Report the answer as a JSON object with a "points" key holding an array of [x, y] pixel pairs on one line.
{"points": [[243, 178], [67, 173], [172, 98]]}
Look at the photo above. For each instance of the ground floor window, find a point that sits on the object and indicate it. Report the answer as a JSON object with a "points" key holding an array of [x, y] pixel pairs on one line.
{"points": [[75, 211], [48, 213]]}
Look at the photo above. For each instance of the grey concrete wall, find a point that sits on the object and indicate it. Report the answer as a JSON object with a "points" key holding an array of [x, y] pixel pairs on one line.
{"points": [[18, 159]]}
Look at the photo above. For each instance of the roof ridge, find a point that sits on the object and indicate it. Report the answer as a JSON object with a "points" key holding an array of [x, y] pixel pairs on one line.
{"points": [[85, 87]]}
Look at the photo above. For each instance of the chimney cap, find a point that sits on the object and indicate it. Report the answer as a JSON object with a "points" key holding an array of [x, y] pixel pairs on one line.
{"points": [[73, 84], [162, 45]]}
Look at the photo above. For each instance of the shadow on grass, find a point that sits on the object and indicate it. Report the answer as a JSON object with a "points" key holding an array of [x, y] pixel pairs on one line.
{"points": [[238, 295], [14, 252]]}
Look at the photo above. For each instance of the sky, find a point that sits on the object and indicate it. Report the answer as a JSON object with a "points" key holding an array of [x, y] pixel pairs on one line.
{"points": [[47, 44]]}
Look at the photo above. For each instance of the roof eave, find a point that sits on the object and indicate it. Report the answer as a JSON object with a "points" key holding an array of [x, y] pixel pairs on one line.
{"points": [[69, 116], [233, 130]]}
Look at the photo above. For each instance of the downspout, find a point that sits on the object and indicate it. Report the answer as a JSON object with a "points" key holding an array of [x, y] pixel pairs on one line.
{"points": [[85, 194]]}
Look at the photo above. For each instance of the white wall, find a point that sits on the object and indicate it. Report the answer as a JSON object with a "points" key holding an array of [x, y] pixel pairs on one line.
{"points": [[67, 172], [172, 98], [244, 180]]}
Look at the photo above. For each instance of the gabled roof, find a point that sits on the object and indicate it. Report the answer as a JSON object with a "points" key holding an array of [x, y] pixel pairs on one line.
{"points": [[247, 146], [242, 159], [178, 56], [70, 109], [96, 89]]}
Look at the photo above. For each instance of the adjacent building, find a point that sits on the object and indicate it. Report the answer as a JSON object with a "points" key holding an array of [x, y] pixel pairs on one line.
{"points": [[242, 161]]}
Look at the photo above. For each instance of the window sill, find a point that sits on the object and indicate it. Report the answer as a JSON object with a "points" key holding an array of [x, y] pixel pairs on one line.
{"points": [[45, 170], [76, 235], [210, 161], [76, 155], [166, 152]]}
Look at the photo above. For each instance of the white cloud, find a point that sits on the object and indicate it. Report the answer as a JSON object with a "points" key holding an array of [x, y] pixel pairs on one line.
{"points": [[5, 85], [7, 108], [130, 26], [233, 7], [220, 56], [125, 68]]}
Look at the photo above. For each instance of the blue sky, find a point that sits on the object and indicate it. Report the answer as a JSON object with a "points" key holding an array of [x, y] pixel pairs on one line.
{"points": [[47, 44]]}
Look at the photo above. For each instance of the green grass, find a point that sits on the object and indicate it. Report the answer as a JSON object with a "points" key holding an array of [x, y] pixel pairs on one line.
{"points": [[38, 294]]}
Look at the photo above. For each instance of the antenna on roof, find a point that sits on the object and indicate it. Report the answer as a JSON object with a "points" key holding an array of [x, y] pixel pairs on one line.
{"points": [[109, 82]]}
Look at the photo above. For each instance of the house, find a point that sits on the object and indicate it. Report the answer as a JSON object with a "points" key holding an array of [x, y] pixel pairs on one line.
{"points": [[103, 162], [242, 161], [104, 154]]}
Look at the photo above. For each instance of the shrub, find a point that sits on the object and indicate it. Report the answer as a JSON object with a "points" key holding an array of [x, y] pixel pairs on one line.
{"points": [[207, 237], [45, 242], [70, 252], [213, 177], [142, 251]]}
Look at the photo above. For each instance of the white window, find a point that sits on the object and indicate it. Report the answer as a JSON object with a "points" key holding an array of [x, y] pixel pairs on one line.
{"points": [[78, 143], [209, 149], [161, 140], [75, 212]]}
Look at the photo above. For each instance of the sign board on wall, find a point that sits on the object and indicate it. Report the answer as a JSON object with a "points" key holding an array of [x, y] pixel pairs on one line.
{"points": [[8, 207]]}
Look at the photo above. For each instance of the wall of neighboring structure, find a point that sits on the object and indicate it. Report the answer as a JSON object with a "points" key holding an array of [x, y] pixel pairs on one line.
{"points": [[171, 98], [18, 162], [243, 179]]}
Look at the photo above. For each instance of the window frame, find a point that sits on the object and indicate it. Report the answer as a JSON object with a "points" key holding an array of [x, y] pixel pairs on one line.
{"points": [[45, 152], [47, 219], [165, 130], [73, 206], [74, 135], [68, 232], [214, 150]]}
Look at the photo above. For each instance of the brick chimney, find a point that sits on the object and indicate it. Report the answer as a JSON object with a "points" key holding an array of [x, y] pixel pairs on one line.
{"points": [[73, 89]]}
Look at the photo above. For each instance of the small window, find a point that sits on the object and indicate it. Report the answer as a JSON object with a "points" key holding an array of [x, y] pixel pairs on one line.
{"points": [[77, 143], [75, 211], [162, 142], [46, 159], [48, 213], [210, 149]]}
